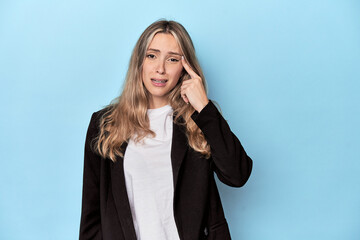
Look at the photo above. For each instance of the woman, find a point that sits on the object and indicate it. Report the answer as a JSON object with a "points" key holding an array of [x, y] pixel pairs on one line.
{"points": [[150, 155]]}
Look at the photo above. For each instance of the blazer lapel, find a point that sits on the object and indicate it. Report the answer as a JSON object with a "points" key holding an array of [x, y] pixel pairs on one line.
{"points": [[179, 148], [121, 198]]}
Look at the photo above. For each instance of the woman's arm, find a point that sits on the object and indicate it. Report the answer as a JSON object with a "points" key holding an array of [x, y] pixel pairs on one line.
{"points": [[90, 224], [231, 163]]}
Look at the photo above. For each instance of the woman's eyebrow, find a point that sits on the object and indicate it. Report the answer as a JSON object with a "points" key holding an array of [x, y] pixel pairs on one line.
{"points": [[170, 52]]}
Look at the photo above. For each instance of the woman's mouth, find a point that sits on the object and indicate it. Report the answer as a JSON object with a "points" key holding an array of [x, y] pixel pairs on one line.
{"points": [[159, 82]]}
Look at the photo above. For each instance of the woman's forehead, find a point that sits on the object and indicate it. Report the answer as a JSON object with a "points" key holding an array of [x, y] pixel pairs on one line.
{"points": [[164, 43]]}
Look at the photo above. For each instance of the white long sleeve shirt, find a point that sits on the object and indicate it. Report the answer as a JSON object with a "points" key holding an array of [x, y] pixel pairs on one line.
{"points": [[149, 179]]}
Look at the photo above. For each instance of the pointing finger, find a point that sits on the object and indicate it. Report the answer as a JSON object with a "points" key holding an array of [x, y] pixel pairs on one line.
{"points": [[188, 68]]}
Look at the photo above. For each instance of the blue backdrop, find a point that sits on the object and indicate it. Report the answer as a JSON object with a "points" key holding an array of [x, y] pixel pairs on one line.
{"points": [[285, 73]]}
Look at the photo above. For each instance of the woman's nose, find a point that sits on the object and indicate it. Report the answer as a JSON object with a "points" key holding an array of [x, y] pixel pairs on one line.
{"points": [[160, 68]]}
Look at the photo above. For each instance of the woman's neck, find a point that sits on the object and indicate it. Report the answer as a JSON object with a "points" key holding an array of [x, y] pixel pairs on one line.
{"points": [[157, 103]]}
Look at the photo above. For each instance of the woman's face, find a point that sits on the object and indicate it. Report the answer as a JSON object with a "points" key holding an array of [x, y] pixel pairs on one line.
{"points": [[162, 68]]}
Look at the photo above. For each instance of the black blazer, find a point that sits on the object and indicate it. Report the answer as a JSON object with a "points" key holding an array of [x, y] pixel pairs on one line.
{"points": [[197, 206]]}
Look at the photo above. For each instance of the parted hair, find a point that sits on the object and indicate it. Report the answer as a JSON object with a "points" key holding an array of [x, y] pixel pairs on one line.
{"points": [[126, 117]]}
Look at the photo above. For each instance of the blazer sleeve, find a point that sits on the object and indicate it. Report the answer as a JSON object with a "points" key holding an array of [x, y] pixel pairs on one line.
{"points": [[229, 159], [90, 223]]}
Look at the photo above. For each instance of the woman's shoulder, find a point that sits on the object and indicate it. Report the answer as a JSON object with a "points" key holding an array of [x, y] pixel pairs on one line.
{"points": [[97, 115], [101, 112]]}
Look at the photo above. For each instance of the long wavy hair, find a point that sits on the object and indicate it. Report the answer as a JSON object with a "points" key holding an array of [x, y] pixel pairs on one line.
{"points": [[126, 115]]}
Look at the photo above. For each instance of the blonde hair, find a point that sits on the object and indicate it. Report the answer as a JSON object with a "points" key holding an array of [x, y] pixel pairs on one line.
{"points": [[126, 115]]}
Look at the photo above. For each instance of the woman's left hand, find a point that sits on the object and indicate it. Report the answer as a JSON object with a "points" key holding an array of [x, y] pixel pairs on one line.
{"points": [[192, 90]]}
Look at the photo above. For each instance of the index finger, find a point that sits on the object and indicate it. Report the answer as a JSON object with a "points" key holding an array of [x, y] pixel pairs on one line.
{"points": [[188, 68]]}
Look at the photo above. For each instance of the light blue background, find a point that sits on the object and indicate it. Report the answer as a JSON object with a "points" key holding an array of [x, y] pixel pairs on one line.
{"points": [[285, 73]]}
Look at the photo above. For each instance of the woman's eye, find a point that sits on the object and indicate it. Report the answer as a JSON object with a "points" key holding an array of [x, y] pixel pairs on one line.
{"points": [[150, 55], [173, 60]]}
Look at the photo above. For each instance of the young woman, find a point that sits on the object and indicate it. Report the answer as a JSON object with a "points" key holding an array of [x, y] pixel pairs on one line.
{"points": [[150, 155]]}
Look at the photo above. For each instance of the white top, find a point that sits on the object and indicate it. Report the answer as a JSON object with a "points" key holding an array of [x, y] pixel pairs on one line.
{"points": [[149, 179]]}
